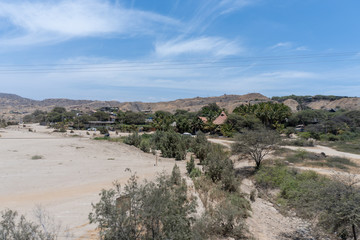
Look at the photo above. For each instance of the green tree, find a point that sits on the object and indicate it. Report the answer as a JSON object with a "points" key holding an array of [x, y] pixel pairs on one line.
{"points": [[184, 121], [197, 125], [236, 123], [271, 114], [210, 111], [36, 117], [162, 120], [134, 118], [255, 144], [101, 116]]}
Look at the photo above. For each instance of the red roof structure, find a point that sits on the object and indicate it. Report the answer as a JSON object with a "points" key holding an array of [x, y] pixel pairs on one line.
{"points": [[204, 119], [221, 119]]}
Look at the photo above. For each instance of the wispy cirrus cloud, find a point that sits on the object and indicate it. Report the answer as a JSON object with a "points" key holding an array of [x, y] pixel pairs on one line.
{"points": [[106, 78], [291, 75], [214, 46], [209, 10], [193, 41], [282, 45], [29, 22], [228, 6], [288, 46]]}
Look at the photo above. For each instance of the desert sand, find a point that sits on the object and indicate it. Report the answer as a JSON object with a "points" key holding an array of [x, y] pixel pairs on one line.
{"points": [[69, 175]]}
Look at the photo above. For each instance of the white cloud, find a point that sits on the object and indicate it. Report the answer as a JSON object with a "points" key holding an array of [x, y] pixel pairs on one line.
{"points": [[302, 48], [42, 21], [232, 5], [288, 46], [106, 79], [282, 45], [204, 45], [290, 75], [210, 10]]}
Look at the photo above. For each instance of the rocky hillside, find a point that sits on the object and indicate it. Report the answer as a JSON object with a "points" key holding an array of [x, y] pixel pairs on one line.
{"points": [[320, 102], [14, 107], [194, 104]]}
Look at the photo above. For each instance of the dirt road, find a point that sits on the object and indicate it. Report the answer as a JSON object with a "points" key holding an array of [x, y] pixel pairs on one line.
{"points": [[327, 151], [315, 149]]}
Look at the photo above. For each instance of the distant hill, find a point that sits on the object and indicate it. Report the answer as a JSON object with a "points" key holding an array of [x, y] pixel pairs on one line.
{"points": [[320, 102], [13, 107]]}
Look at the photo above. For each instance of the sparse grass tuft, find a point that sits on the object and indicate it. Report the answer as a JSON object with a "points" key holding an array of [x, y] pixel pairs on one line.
{"points": [[350, 147], [117, 139], [37, 157], [300, 142]]}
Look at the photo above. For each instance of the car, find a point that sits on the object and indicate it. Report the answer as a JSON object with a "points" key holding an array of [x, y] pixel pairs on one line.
{"points": [[187, 134]]}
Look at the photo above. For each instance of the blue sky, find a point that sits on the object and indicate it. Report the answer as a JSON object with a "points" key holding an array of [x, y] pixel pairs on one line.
{"points": [[147, 50]]}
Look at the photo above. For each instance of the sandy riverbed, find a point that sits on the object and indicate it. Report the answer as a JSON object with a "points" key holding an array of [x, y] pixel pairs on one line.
{"points": [[70, 174]]}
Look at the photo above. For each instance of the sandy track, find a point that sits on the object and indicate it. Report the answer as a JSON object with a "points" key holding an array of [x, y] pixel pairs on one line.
{"points": [[70, 174], [327, 151], [226, 143]]}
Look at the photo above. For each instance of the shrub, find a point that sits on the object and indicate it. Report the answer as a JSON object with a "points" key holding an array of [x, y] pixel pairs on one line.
{"points": [[289, 130], [299, 142], [201, 147], [195, 173], [145, 145], [153, 210], [175, 175], [171, 144], [37, 157], [190, 165], [253, 195], [304, 135], [219, 168], [226, 220], [13, 226], [334, 203], [103, 130], [133, 139]]}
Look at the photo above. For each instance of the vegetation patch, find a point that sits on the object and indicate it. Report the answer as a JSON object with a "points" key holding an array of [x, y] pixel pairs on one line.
{"points": [[116, 139], [314, 159], [37, 157], [300, 142], [163, 209], [346, 146], [333, 203]]}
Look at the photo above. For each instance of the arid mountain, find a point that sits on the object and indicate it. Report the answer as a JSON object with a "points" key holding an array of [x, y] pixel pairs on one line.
{"points": [[344, 103], [320, 102], [14, 107]]}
